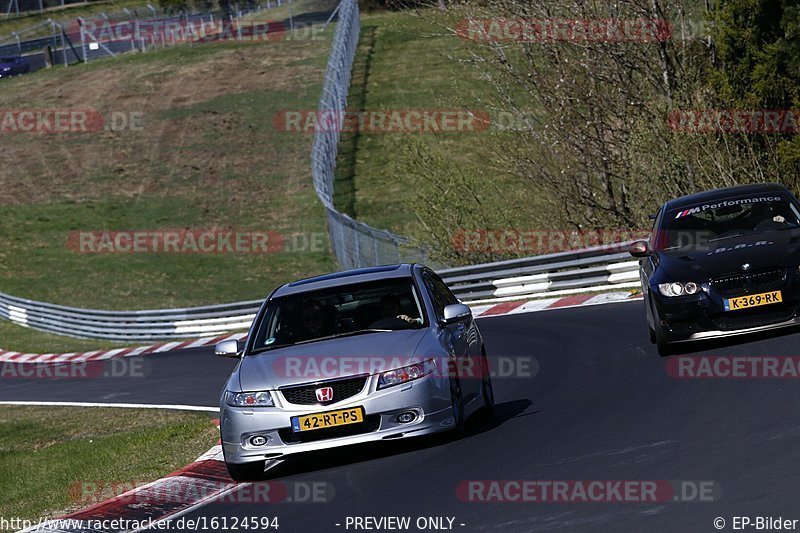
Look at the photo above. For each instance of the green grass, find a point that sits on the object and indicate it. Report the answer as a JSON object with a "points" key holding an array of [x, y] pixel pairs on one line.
{"points": [[45, 452], [404, 61], [208, 157]]}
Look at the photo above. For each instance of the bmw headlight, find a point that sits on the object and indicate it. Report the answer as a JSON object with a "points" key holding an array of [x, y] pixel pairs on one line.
{"points": [[677, 288], [249, 399], [406, 374]]}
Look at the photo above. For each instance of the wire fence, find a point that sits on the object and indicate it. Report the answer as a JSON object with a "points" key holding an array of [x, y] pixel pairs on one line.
{"points": [[80, 40], [354, 243]]}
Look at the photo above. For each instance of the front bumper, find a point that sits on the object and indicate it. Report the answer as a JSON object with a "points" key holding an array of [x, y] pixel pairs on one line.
{"points": [[428, 397], [703, 316]]}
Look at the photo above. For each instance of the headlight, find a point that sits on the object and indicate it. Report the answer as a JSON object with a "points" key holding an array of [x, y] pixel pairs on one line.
{"points": [[677, 288], [406, 374], [249, 399]]}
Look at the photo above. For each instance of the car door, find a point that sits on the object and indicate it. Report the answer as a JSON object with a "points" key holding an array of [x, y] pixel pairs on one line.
{"points": [[459, 339]]}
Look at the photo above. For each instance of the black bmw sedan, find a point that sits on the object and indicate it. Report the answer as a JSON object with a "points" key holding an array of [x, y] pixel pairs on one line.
{"points": [[720, 263]]}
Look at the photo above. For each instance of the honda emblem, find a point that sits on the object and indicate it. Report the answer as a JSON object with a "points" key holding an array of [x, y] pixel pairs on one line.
{"points": [[325, 394]]}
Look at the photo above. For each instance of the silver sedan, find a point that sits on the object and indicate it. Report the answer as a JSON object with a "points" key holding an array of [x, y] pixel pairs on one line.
{"points": [[363, 355]]}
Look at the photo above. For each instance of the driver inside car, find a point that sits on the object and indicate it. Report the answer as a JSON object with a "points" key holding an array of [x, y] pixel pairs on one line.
{"points": [[392, 314]]}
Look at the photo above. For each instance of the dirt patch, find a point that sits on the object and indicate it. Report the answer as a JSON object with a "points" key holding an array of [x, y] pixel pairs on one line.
{"points": [[194, 135]]}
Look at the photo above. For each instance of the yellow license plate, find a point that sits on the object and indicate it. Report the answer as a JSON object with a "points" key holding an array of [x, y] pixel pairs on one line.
{"points": [[330, 419], [752, 300]]}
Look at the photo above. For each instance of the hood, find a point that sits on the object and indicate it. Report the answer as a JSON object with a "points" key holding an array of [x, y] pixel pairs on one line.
{"points": [[330, 359], [763, 250]]}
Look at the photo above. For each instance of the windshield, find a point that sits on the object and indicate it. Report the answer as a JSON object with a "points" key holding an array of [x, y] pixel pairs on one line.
{"points": [[385, 305], [692, 226]]}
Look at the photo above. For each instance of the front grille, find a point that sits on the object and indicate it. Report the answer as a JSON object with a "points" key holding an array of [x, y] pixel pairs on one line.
{"points": [[753, 318], [342, 389], [741, 283], [766, 278], [370, 424], [732, 284]]}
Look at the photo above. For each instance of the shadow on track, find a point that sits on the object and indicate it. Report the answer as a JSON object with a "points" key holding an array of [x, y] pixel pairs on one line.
{"points": [[691, 348], [357, 453]]}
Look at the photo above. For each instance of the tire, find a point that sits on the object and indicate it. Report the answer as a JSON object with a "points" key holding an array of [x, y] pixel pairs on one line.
{"points": [[657, 335], [246, 471], [487, 388], [663, 347]]}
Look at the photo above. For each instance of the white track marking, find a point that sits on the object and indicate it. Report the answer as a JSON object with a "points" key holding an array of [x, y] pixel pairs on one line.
{"points": [[173, 407]]}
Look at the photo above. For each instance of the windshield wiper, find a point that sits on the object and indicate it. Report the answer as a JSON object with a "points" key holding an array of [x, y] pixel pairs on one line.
{"points": [[740, 234], [327, 337], [345, 334]]}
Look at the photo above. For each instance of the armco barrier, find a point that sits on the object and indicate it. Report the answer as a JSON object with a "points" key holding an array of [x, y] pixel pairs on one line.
{"points": [[599, 268], [587, 268], [156, 324]]}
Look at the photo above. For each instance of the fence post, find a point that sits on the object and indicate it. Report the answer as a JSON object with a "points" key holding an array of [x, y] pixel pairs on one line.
{"points": [[83, 41], [64, 46]]}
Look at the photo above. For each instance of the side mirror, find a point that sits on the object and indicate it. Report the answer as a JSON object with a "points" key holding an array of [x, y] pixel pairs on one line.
{"points": [[640, 249], [456, 312], [229, 348]]}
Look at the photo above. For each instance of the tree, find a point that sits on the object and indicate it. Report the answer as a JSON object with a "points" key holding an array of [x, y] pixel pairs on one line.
{"points": [[600, 150]]}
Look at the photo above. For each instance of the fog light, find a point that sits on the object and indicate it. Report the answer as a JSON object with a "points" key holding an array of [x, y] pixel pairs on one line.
{"points": [[406, 417], [258, 440]]}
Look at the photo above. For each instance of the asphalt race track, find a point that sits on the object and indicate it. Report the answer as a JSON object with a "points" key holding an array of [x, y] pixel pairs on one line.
{"points": [[600, 407]]}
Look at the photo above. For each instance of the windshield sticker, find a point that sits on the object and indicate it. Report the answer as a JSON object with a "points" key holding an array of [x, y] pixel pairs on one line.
{"points": [[726, 203], [269, 341]]}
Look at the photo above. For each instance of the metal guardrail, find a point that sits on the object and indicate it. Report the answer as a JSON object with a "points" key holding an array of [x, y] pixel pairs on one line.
{"points": [[588, 268], [148, 325], [592, 268]]}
